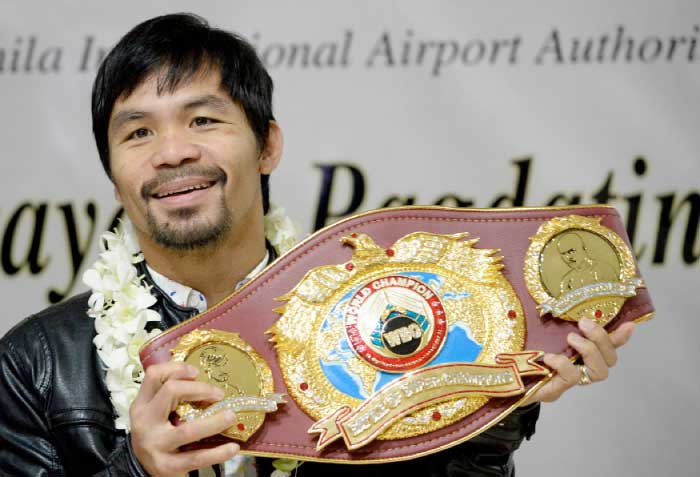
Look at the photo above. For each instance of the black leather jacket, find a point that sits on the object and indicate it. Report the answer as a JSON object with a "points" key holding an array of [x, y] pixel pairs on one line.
{"points": [[56, 418]]}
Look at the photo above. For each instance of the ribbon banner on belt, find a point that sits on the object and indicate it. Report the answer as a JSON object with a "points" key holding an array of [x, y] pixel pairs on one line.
{"points": [[423, 387]]}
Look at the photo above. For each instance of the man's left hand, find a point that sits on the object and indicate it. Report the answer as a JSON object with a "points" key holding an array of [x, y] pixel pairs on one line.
{"points": [[597, 348]]}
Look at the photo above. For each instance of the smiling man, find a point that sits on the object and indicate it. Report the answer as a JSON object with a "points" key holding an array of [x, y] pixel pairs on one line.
{"points": [[186, 165], [182, 117]]}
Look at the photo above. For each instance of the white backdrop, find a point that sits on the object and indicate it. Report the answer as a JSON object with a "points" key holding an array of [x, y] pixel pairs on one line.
{"points": [[594, 100]]}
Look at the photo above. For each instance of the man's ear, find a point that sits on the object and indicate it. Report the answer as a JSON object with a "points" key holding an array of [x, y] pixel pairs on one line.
{"points": [[272, 154]]}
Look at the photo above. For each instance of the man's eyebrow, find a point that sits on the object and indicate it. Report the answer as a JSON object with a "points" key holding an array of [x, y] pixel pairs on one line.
{"points": [[209, 100], [124, 116]]}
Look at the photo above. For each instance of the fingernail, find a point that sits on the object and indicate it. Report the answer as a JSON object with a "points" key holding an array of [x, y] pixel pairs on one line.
{"points": [[219, 393], [586, 325], [233, 448], [192, 370], [229, 415]]}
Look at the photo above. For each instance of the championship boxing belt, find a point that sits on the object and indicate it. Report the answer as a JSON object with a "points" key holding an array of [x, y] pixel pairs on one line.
{"points": [[401, 332]]}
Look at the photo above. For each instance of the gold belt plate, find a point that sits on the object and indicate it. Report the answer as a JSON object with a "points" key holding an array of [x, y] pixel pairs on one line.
{"points": [[402, 341]]}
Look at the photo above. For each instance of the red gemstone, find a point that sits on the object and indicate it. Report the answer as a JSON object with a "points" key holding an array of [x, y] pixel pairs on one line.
{"points": [[437, 416], [353, 235], [512, 314], [390, 252], [241, 426], [349, 267], [303, 386], [598, 313]]}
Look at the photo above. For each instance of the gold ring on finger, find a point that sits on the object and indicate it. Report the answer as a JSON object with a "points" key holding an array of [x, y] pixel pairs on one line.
{"points": [[584, 378]]}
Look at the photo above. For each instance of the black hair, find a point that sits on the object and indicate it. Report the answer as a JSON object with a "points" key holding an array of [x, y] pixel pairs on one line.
{"points": [[180, 46]]}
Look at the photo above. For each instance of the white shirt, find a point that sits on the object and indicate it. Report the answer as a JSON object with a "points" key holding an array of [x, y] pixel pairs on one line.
{"points": [[188, 297]]}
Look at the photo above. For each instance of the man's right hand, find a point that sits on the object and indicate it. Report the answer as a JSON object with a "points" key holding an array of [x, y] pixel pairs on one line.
{"points": [[156, 441]]}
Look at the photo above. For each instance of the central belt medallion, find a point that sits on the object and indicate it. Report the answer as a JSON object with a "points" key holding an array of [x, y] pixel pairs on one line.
{"points": [[401, 341]]}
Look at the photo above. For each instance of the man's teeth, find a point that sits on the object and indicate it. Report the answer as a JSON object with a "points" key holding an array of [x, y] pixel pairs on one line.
{"points": [[182, 191]]}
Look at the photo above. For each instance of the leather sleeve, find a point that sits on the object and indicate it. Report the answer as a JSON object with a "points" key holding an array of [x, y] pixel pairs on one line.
{"points": [[25, 374], [26, 438], [123, 463]]}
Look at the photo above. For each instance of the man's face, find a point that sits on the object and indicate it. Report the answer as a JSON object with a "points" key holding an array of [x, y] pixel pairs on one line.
{"points": [[572, 250], [185, 164]]}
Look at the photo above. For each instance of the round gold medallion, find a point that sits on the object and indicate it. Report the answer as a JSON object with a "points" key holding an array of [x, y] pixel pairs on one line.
{"points": [[227, 361], [577, 268]]}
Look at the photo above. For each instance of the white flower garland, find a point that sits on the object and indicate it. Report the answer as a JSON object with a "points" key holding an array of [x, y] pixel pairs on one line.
{"points": [[120, 303]]}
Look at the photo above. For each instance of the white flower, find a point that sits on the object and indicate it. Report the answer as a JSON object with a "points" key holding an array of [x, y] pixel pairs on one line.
{"points": [[284, 467], [138, 340], [120, 304], [279, 229]]}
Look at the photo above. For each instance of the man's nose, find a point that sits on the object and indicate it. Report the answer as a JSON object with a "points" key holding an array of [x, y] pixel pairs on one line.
{"points": [[175, 149]]}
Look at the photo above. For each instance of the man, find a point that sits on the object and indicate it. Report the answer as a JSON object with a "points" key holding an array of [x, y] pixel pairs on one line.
{"points": [[183, 122], [583, 270]]}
